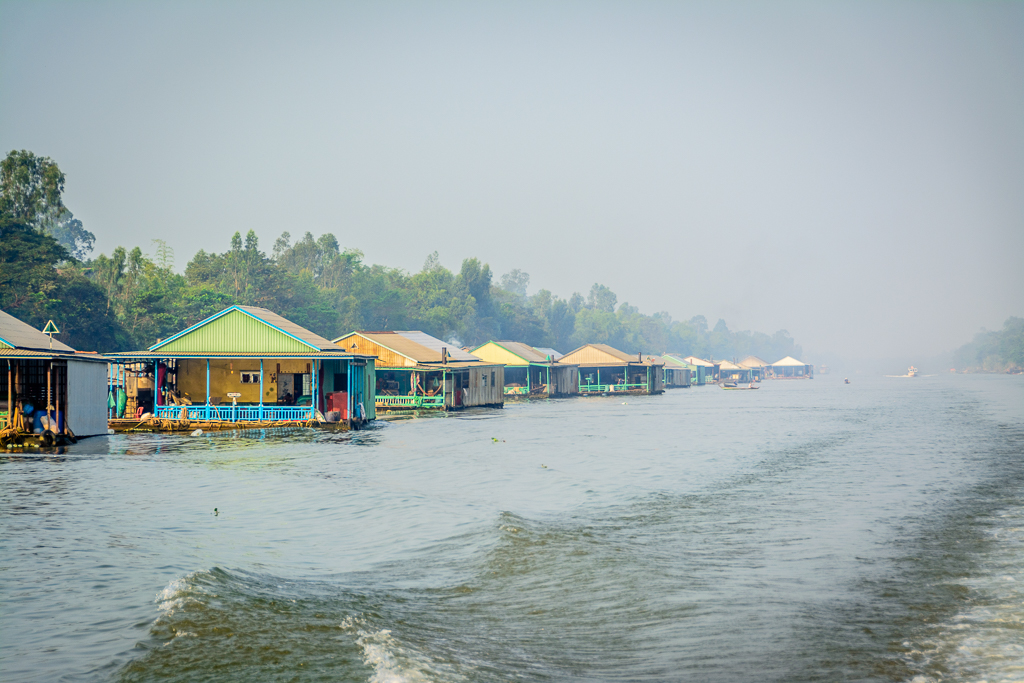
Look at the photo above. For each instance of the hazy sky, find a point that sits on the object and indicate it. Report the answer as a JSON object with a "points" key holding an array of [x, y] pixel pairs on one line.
{"points": [[851, 172]]}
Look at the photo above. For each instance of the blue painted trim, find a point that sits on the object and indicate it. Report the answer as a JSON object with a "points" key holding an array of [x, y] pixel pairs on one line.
{"points": [[223, 313], [8, 343]]}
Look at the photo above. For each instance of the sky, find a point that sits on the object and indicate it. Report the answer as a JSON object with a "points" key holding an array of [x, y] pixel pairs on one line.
{"points": [[852, 172]]}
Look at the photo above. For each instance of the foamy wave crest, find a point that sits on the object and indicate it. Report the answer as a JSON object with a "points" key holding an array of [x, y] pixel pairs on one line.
{"points": [[391, 662], [175, 595]]}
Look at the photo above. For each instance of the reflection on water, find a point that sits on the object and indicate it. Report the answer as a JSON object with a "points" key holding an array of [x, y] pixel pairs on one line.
{"points": [[809, 531]]}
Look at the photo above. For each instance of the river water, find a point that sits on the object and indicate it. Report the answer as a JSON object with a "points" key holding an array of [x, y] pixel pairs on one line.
{"points": [[808, 531]]}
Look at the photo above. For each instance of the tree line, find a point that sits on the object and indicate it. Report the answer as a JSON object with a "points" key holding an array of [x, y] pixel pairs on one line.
{"points": [[994, 351], [129, 299]]}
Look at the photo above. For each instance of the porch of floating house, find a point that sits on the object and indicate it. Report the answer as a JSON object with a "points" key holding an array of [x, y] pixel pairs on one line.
{"points": [[696, 371], [791, 368], [675, 373], [422, 372], [730, 372], [604, 369], [277, 370], [51, 377], [529, 371], [710, 368], [758, 368]]}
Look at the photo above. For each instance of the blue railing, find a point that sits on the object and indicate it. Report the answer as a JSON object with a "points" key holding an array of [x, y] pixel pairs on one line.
{"points": [[237, 413]]}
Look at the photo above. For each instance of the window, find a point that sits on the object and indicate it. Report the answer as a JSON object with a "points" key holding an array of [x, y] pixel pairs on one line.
{"points": [[250, 377], [483, 380], [492, 378]]}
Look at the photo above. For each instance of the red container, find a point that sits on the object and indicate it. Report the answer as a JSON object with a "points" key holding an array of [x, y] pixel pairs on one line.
{"points": [[338, 400]]}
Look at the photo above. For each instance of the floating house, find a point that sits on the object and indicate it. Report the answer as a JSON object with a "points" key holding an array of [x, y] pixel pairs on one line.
{"points": [[732, 372], [530, 371], [605, 369], [416, 371], [677, 373], [696, 371], [758, 368], [710, 367], [244, 365], [791, 368], [46, 385]]}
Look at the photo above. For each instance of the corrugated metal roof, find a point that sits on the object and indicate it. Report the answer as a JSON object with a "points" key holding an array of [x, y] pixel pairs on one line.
{"points": [[435, 344], [545, 351], [161, 355], [602, 354], [16, 334], [416, 346], [753, 362], [672, 359], [789, 361], [693, 360], [524, 351], [728, 365], [288, 326], [31, 354]]}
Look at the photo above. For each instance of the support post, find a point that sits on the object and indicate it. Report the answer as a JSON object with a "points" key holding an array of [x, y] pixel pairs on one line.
{"points": [[10, 395], [261, 390], [49, 399], [207, 388], [350, 403]]}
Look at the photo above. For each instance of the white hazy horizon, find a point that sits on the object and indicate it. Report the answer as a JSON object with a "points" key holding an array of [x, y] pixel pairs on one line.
{"points": [[849, 172]]}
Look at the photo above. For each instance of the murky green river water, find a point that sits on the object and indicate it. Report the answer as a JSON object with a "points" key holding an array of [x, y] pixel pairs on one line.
{"points": [[808, 531]]}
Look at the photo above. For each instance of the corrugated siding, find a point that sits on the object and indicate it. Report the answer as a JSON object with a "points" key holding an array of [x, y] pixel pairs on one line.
{"points": [[479, 393], [369, 387], [565, 380], [87, 398], [235, 332]]}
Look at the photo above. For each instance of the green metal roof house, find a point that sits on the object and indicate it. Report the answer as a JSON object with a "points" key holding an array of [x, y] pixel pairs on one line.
{"points": [[246, 364], [530, 371]]}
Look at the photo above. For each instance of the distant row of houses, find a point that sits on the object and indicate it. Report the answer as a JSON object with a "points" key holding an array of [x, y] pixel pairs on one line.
{"points": [[248, 365]]}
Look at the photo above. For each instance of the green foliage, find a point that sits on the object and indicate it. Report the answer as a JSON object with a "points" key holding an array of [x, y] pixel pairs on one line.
{"points": [[129, 300], [998, 351], [40, 282], [30, 188]]}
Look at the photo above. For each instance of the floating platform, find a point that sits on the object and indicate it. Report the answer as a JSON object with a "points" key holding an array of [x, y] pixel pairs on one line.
{"points": [[158, 424]]}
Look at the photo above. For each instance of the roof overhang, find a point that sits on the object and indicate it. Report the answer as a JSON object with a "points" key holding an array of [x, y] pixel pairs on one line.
{"points": [[155, 355], [29, 354]]}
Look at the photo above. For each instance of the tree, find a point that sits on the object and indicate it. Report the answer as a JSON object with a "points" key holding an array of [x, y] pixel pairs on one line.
{"points": [[515, 281], [68, 231], [601, 299], [30, 188]]}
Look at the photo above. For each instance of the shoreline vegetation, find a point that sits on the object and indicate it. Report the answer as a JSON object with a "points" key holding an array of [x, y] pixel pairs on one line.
{"points": [[128, 300], [996, 351]]}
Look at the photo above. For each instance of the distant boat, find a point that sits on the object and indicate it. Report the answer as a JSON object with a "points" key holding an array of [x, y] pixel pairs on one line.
{"points": [[846, 380], [911, 372]]}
